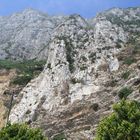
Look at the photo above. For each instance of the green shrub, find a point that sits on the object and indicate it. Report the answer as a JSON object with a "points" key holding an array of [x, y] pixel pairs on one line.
{"points": [[83, 67], [60, 137], [49, 66], [22, 80], [122, 124], [22, 66], [75, 80], [20, 132], [118, 46], [111, 83], [124, 92], [92, 57], [27, 70], [136, 49], [125, 75], [70, 53], [84, 58], [129, 61]]}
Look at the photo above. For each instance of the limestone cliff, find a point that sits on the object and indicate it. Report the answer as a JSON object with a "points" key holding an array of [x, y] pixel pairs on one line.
{"points": [[88, 63]]}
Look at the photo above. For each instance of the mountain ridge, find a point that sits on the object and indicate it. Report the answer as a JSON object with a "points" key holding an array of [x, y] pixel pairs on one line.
{"points": [[87, 63]]}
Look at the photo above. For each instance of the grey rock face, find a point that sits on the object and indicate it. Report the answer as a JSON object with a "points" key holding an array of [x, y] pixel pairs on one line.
{"points": [[24, 35], [78, 84]]}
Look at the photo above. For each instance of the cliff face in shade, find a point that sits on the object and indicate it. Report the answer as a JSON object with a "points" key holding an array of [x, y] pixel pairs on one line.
{"points": [[86, 60]]}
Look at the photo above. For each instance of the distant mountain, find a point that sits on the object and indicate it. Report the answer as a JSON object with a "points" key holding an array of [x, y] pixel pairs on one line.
{"points": [[23, 35]]}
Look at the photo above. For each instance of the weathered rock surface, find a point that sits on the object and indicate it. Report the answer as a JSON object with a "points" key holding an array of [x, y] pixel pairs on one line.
{"points": [[23, 35], [86, 60]]}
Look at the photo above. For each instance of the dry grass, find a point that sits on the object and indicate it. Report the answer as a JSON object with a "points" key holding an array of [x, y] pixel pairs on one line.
{"points": [[5, 78]]}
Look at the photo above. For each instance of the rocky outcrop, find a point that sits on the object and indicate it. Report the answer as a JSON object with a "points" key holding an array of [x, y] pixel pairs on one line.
{"points": [[24, 35], [86, 60]]}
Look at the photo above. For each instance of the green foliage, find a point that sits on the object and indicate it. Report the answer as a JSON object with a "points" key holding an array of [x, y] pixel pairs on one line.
{"points": [[83, 67], [60, 137], [129, 60], [124, 92], [24, 66], [111, 83], [125, 75], [84, 58], [122, 124], [115, 19], [92, 57], [75, 80], [22, 80], [26, 69], [70, 53], [49, 66], [20, 132], [118, 46], [136, 49], [133, 22]]}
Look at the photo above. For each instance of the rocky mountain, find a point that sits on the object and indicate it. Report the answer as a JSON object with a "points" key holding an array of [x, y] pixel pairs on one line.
{"points": [[89, 65], [24, 35]]}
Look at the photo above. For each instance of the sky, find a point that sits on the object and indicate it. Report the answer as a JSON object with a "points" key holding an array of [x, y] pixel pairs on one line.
{"points": [[86, 8]]}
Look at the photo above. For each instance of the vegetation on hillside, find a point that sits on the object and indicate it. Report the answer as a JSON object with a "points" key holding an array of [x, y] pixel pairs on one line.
{"points": [[21, 132], [26, 70], [122, 124], [124, 92], [60, 136]]}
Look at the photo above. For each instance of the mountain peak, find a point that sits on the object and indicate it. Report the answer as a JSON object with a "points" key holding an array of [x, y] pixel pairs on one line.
{"points": [[27, 10], [33, 12]]}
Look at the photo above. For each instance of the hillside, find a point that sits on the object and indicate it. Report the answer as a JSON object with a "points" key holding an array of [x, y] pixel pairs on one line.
{"points": [[90, 64]]}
